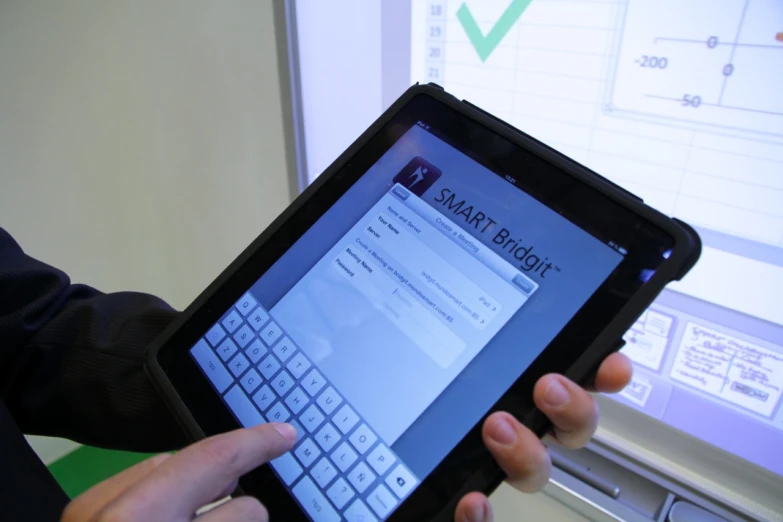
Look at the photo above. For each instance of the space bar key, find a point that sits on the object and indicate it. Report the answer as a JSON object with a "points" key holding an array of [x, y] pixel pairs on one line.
{"points": [[316, 505]]}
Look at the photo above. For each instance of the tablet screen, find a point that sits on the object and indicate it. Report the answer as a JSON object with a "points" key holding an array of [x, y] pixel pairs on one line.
{"points": [[390, 327]]}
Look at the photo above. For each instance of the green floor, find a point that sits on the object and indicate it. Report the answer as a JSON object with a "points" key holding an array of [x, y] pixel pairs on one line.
{"points": [[86, 466]]}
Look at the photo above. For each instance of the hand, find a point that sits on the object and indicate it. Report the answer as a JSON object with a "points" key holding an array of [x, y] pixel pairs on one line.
{"points": [[172, 488], [521, 453]]}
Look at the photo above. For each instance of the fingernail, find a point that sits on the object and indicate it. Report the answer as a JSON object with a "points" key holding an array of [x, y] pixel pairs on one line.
{"points": [[556, 395], [287, 431], [503, 432], [477, 513]]}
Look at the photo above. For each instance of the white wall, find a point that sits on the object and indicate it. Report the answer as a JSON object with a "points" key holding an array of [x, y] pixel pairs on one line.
{"points": [[141, 142]]}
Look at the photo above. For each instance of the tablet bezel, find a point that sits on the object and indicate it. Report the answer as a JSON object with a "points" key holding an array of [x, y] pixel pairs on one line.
{"points": [[654, 242]]}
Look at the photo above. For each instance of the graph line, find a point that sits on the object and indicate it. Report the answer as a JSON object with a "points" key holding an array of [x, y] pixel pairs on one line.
{"points": [[671, 98], [732, 44], [733, 50], [760, 111]]}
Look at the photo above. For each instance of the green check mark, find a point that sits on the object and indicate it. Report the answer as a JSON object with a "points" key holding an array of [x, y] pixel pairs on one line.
{"points": [[486, 44]]}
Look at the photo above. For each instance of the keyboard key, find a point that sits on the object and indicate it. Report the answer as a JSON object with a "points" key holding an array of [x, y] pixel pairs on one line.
{"points": [[298, 365], [327, 437], [312, 418], [246, 304], [323, 472], [315, 503], [287, 467], [340, 493], [271, 333], [313, 382], [361, 477], [258, 318], [232, 321], [238, 364], [381, 459], [299, 430], [215, 335], [226, 349], [381, 501], [344, 456], [250, 381], [278, 413], [211, 366], [243, 409], [243, 336], [345, 419], [284, 349], [363, 438], [401, 481], [307, 452], [283, 383], [264, 398], [329, 400], [358, 512], [269, 366], [255, 351], [297, 400]]}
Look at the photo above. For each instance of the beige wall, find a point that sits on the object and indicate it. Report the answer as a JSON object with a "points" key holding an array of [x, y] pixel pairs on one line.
{"points": [[141, 143]]}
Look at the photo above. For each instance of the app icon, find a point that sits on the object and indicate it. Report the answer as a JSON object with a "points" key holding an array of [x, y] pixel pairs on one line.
{"points": [[417, 176]]}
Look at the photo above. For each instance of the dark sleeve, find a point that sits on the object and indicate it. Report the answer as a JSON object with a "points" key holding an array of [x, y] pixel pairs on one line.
{"points": [[71, 358]]}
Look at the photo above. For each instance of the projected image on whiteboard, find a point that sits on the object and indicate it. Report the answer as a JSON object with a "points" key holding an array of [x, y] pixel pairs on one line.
{"points": [[676, 63], [730, 368], [679, 102]]}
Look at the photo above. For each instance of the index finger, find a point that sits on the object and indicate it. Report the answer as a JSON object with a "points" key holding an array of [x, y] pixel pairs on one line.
{"points": [[202, 472]]}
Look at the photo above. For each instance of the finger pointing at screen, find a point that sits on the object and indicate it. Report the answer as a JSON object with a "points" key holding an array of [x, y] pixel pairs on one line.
{"points": [[174, 487]]}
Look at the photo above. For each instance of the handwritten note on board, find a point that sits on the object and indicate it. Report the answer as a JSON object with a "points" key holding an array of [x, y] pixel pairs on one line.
{"points": [[729, 368], [638, 390], [647, 339]]}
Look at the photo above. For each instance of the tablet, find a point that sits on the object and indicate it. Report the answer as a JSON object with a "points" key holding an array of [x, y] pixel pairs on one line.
{"points": [[430, 276]]}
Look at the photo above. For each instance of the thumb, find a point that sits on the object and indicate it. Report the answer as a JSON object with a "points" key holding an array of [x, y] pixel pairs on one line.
{"points": [[474, 507]]}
